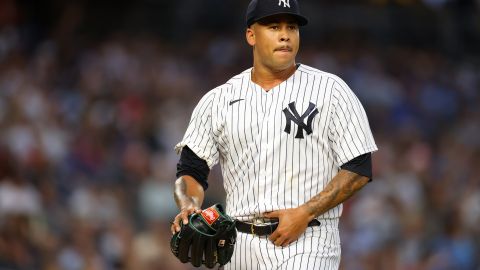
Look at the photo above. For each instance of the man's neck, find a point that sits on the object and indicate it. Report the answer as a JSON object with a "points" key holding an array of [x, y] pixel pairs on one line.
{"points": [[268, 78]]}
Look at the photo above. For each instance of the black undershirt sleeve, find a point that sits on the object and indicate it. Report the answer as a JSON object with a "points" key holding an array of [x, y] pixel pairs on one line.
{"points": [[192, 165], [361, 165]]}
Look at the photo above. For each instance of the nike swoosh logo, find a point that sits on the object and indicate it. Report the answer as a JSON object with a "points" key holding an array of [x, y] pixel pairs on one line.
{"points": [[234, 101]]}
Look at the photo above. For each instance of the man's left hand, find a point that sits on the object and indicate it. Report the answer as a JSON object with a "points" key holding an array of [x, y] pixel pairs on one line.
{"points": [[292, 223]]}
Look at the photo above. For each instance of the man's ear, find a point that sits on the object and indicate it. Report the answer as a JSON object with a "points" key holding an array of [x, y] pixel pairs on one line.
{"points": [[250, 36]]}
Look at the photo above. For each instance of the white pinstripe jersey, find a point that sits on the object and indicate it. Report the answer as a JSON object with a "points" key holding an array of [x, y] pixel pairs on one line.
{"points": [[278, 148]]}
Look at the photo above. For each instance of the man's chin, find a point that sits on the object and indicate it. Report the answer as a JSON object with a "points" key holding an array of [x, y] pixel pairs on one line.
{"points": [[283, 65]]}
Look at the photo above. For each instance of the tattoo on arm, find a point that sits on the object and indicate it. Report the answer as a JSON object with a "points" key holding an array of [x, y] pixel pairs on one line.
{"points": [[188, 192], [340, 188], [180, 190]]}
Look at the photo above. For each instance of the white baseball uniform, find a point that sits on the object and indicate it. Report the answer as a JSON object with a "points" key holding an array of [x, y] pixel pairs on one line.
{"points": [[277, 149]]}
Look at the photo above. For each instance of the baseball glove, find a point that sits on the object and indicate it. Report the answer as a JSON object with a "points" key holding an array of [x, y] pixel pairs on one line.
{"points": [[208, 238]]}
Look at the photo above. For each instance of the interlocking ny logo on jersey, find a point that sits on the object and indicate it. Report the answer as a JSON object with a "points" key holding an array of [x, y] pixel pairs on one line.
{"points": [[286, 3], [292, 115]]}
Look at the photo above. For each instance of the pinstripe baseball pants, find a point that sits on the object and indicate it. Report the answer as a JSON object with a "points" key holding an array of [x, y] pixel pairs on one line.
{"points": [[317, 248]]}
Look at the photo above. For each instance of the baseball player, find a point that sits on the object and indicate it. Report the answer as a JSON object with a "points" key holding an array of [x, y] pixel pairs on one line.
{"points": [[293, 143]]}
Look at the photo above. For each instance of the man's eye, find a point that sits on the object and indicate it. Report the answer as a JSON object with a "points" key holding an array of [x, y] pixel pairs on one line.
{"points": [[274, 27]]}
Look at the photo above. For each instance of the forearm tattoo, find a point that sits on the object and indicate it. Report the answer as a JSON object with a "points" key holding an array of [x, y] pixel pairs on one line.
{"points": [[187, 195], [180, 191], [340, 188]]}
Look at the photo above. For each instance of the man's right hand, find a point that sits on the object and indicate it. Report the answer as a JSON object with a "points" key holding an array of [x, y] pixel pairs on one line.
{"points": [[183, 216], [188, 195]]}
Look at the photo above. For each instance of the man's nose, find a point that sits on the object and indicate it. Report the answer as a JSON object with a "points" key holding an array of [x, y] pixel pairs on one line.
{"points": [[284, 35]]}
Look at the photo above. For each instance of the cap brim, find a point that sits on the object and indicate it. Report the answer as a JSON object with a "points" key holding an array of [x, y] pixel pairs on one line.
{"points": [[302, 21]]}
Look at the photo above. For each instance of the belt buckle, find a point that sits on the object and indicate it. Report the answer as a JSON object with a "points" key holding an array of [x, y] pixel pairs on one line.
{"points": [[255, 221]]}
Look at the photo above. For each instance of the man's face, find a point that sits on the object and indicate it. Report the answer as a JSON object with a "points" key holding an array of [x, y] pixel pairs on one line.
{"points": [[275, 40]]}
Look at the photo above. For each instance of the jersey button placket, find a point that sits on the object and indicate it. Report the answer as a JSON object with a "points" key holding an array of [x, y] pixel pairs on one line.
{"points": [[266, 142]]}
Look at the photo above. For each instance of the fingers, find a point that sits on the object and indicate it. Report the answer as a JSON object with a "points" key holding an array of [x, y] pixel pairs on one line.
{"points": [[187, 212], [280, 240], [284, 235], [183, 217], [277, 238], [273, 214], [274, 235], [175, 227], [289, 227]]}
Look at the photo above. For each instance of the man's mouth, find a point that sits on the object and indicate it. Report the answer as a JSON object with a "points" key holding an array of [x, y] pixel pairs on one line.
{"points": [[284, 49]]}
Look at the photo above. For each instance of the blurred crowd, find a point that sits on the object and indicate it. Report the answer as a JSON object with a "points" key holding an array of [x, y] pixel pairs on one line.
{"points": [[87, 162]]}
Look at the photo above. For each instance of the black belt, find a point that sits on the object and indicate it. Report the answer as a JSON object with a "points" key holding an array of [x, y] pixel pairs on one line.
{"points": [[264, 229]]}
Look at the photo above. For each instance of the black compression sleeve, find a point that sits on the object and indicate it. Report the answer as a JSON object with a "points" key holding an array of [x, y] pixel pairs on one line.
{"points": [[361, 165], [192, 165]]}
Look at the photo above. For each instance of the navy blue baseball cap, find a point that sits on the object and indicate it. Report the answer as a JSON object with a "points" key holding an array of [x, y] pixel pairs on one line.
{"points": [[260, 9]]}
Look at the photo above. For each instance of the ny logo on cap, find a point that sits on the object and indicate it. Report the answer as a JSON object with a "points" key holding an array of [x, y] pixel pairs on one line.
{"points": [[286, 3]]}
